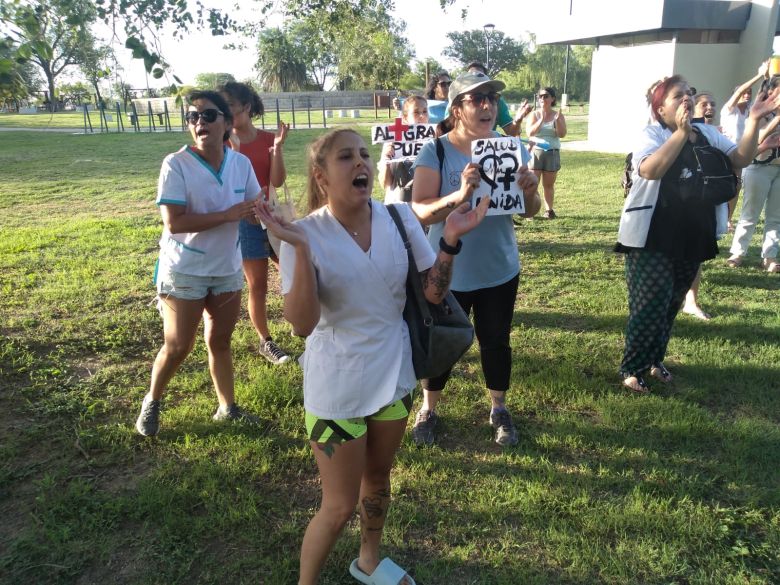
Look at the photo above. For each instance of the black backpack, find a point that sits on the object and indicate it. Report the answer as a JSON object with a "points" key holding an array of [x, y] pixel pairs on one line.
{"points": [[716, 179]]}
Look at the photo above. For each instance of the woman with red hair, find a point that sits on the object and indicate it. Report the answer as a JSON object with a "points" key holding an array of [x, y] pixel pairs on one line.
{"points": [[667, 228]]}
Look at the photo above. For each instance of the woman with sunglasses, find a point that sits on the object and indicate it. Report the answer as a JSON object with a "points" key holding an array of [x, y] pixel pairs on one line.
{"points": [[668, 226], [545, 128], [436, 94], [265, 150], [486, 272], [204, 190]]}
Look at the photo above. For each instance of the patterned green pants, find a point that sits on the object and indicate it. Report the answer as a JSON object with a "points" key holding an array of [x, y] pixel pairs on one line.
{"points": [[657, 285]]}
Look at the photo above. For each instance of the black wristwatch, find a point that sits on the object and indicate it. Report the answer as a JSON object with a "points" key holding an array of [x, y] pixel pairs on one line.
{"points": [[451, 250]]}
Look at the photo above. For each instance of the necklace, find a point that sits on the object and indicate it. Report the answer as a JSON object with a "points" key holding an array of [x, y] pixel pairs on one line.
{"points": [[352, 233]]}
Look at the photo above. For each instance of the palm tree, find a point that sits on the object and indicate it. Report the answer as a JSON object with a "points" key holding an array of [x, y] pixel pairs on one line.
{"points": [[279, 64]]}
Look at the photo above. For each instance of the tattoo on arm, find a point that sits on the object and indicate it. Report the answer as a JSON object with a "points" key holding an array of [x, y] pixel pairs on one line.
{"points": [[439, 277], [449, 206]]}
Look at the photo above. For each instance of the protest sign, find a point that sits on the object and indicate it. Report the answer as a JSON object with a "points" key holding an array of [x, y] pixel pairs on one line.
{"points": [[407, 139], [499, 161]]}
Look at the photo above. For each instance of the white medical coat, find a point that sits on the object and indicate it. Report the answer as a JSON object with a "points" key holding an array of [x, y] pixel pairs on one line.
{"points": [[358, 359]]}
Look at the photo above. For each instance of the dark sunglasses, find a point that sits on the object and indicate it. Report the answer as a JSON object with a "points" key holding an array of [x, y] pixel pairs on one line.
{"points": [[445, 83], [479, 99], [209, 116], [542, 96]]}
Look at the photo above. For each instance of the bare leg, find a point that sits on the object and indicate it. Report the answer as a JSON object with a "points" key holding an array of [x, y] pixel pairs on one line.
{"points": [[548, 184], [430, 399], [220, 316], [180, 324], [384, 438], [256, 272], [691, 305], [341, 469]]}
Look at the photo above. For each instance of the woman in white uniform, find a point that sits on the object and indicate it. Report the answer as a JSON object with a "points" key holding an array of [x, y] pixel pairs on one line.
{"points": [[344, 270]]}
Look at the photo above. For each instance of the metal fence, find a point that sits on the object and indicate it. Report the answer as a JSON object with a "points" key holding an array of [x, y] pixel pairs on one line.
{"points": [[304, 111]]}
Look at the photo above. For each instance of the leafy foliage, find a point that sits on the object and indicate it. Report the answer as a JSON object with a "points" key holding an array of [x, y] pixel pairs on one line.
{"points": [[17, 77], [212, 80], [279, 62], [50, 33], [506, 54]]}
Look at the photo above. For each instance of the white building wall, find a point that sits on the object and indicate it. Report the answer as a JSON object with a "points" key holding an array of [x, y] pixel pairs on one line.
{"points": [[619, 81]]}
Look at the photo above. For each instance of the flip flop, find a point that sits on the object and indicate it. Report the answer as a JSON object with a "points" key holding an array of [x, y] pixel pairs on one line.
{"points": [[771, 265], [636, 384], [659, 371], [386, 573], [734, 262]]}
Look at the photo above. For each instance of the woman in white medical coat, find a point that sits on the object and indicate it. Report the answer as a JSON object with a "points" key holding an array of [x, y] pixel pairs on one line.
{"points": [[344, 270]]}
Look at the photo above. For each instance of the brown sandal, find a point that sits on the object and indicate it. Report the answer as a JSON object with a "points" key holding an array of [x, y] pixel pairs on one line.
{"points": [[636, 384], [770, 265], [734, 262]]}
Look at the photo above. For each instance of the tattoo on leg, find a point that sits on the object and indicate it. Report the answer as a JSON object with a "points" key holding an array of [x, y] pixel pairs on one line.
{"points": [[327, 448], [373, 507]]}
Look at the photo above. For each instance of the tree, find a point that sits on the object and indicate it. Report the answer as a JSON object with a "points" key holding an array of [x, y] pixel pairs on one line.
{"points": [[74, 93], [212, 80], [17, 79], [49, 33], [279, 62], [506, 54], [315, 48], [95, 63]]}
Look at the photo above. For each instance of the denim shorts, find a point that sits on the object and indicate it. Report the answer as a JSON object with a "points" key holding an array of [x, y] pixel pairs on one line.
{"points": [[188, 287], [254, 241]]}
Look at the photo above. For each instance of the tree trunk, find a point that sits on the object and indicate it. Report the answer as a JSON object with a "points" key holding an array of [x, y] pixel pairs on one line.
{"points": [[52, 99]]}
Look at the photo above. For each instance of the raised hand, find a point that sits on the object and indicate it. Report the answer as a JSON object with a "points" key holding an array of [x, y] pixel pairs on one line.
{"points": [[469, 180], [462, 220], [281, 134], [527, 181], [765, 103], [683, 116], [284, 230]]}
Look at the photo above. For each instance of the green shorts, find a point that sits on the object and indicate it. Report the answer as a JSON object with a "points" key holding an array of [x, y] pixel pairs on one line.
{"points": [[341, 430]]}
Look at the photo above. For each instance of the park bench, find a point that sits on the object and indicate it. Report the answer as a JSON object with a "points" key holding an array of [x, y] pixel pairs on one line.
{"points": [[153, 106]]}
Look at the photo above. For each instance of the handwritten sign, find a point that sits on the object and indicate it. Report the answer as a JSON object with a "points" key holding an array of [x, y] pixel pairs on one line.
{"points": [[407, 139], [499, 161]]}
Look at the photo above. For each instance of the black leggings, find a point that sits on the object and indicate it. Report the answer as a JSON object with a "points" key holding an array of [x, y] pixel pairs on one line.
{"points": [[493, 311]]}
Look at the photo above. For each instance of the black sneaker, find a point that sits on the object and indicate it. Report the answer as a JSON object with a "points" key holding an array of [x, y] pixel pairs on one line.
{"points": [[424, 423], [506, 432], [273, 353]]}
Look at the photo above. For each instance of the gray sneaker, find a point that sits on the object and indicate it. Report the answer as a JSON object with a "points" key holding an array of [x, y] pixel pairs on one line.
{"points": [[148, 423], [506, 432], [273, 353], [424, 423], [235, 413]]}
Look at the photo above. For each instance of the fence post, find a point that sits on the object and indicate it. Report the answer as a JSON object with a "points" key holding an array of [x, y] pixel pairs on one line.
{"points": [[120, 125], [183, 121], [308, 110], [103, 117], [152, 125], [376, 106], [292, 109], [136, 122], [324, 121], [87, 119], [278, 117], [389, 105], [167, 117]]}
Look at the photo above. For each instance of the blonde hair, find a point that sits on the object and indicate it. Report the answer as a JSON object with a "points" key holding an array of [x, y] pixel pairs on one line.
{"points": [[318, 150]]}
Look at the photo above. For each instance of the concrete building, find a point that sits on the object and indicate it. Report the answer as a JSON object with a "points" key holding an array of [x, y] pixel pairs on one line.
{"points": [[715, 44]]}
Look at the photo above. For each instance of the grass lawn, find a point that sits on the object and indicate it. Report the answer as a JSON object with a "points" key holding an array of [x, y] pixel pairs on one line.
{"points": [[679, 487]]}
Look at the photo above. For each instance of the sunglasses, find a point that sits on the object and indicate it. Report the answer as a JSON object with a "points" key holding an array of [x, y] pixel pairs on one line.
{"points": [[479, 99], [445, 83], [543, 96], [209, 116]]}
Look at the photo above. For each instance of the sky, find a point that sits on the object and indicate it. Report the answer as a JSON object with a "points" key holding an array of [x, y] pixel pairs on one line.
{"points": [[200, 52]]}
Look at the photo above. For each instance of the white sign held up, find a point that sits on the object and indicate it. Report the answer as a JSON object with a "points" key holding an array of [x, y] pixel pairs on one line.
{"points": [[407, 139], [499, 161]]}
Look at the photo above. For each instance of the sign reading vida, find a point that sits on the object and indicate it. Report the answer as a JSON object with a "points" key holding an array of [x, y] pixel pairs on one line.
{"points": [[499, 161], [407, 139]]}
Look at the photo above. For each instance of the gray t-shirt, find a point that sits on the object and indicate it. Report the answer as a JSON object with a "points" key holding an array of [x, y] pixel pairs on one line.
{"points": [[489, 256]]}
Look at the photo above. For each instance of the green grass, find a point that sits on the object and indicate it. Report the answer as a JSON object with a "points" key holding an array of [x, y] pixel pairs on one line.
{"points": [[605, 487]]}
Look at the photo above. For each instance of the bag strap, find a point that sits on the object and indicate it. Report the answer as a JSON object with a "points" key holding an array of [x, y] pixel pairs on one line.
{"points": [[440, 153], [413, 275]]}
